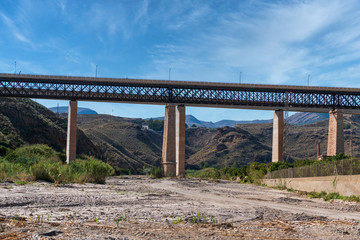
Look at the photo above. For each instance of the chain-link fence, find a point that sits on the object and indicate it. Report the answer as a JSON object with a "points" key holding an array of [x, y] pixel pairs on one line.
{"points": [[333, 168]]}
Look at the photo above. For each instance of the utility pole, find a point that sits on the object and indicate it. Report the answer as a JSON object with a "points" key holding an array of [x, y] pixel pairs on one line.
{"points": [[169, 73], [308, 80], [351, 143], [96, 71], [240, 77], [15, 67]]}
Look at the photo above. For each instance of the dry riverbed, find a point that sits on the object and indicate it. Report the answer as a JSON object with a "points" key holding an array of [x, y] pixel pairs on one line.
{"points": [[137, 207]]}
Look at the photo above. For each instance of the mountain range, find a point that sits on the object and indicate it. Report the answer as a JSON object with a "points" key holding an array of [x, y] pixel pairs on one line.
{"points": [[301, 118], [295, 119], [65, 109]]}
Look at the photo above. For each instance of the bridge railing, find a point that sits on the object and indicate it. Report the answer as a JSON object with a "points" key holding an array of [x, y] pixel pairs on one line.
{"points": [[340, 167]]}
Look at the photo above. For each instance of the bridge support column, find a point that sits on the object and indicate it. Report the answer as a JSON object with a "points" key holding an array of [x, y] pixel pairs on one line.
{"points": [[71, 132], [278, 137], [180, 141], [169, 148], [336, 133]]}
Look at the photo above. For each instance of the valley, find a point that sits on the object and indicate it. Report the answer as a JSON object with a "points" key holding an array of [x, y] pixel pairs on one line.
{"points": [[127, 146]]}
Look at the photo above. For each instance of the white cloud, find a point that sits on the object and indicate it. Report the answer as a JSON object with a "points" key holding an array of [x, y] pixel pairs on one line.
{"points": [[13, 28], [280, 44]]}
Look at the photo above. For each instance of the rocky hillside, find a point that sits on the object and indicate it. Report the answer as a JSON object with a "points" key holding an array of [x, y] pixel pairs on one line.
{"points": [[229, 145], [23, 121], [122, 141], [307, 118]]}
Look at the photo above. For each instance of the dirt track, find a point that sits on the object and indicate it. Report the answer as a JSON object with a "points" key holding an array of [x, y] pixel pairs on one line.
{"points": [[143, 208]]}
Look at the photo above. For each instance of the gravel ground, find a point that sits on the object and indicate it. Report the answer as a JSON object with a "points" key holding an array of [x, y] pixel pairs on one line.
{"points": [[137, 207]]}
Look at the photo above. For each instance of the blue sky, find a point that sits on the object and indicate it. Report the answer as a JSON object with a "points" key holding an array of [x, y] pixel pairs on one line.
{"points": [[271, 42]]}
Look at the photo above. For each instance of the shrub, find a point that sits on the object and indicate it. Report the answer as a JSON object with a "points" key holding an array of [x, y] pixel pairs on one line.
{"points": [[12, 171], [90, 170], [257, 172], [41, 162], [46, 170], [157, 172], [98, 170], [313, 195], [330, 196], [29, 155], [278, 166], [353, 198], [207, 173]]}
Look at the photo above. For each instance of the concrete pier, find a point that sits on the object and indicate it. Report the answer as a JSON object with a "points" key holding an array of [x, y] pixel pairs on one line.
{"points": [[169, 148], [278, 137], [180, 141], [71, 132], [336, 133]]}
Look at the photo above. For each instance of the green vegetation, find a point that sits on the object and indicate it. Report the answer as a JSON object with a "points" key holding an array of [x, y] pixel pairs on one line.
{"points": [[40, 162], [253, 173], [157, 172], [333, 195], [247, 174], [324, 195], [157, 125], [179, 220], [299, 163]]}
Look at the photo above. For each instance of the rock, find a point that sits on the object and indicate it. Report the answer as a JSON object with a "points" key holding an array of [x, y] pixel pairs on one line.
{"points": [[51, 233], [221, 147], [2, 228]]}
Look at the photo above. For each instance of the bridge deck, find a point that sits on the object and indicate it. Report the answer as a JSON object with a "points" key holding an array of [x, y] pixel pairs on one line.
{"points": [[206, 94], [78, 79]]}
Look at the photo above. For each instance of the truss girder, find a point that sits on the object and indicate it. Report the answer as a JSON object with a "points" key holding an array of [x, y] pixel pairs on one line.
{"points": [[185, 94]]}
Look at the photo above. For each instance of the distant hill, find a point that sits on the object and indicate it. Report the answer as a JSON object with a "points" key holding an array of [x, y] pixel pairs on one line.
{"points": [[191, 120], [307, 118], [65, 109], [301, 118]]}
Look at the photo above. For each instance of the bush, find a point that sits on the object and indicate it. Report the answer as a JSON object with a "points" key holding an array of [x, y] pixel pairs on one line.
{"points": [[353, 198], [157, 125], [207, 173], [81, 171], [29, 155], [257, 172], [51, 171], [278, 166], [12, 171], [330, 196], [95, 170], [157, 172], [41, 162], [317, 195]]}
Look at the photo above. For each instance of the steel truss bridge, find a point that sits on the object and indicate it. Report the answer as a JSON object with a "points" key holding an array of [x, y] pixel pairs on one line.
{"points": [[253, 96]]}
